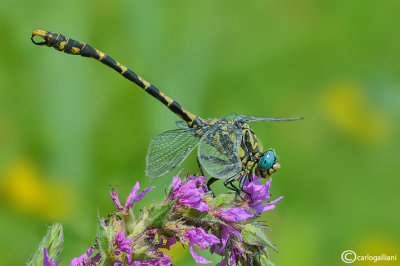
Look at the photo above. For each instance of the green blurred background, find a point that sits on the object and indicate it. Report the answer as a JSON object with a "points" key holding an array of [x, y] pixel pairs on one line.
{"points": [[70, 127]]}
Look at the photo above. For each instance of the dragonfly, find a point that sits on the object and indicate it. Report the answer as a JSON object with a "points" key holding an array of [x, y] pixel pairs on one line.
{"points": [[227, 147]]}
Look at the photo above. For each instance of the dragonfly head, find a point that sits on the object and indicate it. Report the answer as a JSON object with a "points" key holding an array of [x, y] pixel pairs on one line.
{"points": [[267, 164]]}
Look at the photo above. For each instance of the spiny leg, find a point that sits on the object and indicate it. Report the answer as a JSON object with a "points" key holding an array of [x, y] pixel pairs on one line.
{"points": [[201, 168], [229, 181], [241, 184], [210, 181]]}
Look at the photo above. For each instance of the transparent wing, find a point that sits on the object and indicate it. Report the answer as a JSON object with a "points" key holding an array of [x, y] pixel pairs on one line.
{"points": [[181, 124], [249, 118], [167, 150], [218, 151]]}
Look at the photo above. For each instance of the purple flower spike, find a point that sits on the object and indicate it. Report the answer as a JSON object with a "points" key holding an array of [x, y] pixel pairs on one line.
{"points": [[226, 229], [235, 214], [84, 259], [190, 194], [260, 192], [121, 245], [131, 199], [46, 259], [199, 238]]}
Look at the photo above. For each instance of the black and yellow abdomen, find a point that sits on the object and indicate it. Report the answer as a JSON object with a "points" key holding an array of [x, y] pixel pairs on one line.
{"points": [[70, 46]]}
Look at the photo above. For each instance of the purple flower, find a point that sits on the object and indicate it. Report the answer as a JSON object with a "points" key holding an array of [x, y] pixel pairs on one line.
{"points": [[235, 253], [46, 259], [226, 229], [199, 238], [121, 245], [233, 214], [170, 242], [259, 192], [191, 193], [84, 259], [132, 198]]}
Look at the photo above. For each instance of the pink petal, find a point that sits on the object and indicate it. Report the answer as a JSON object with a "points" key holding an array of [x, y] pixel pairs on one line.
{"points": [[46, 259], [176, 183], [82, 258], [197, 258], [234, 231], [140, 196], [114, 197], [236, 214], [132, 194], [222, 263]]}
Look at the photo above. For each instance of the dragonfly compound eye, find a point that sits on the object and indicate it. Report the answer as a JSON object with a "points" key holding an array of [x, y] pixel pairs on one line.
{"points": [[267, 160]]}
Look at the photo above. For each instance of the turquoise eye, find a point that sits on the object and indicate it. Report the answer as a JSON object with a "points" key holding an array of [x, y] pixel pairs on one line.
{"points": [[267, 160]]}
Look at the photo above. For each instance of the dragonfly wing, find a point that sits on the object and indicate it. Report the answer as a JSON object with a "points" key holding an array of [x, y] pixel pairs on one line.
{"points": [[218, 151], [248, 118], [167, 151], [181, 124]]}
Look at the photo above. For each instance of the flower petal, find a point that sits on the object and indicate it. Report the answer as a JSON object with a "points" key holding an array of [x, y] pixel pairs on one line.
{"points": [[222, 263], [140, 196], [120, 237], [176, 183], [199, 236], [234, 231], [236, 214], [170, 242], [132, 194], [197, 258], [114, 196], [82, 258], [46, 259], [96, 258]]}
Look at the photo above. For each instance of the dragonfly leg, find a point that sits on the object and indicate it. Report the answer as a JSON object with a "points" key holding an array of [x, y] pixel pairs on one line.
{"points": [[201, 170], [241, 184], [229, 181], [209, 183]]}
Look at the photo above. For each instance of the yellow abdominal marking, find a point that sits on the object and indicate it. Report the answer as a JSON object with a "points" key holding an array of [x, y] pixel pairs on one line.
{"points": [[123, 68], [145, 82], [101, 54], [75, 50], [168, 99], [61, 46]]}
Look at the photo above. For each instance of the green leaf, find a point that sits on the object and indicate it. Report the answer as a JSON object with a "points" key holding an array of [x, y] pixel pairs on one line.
{"points": [[158, 215], [255, 235], [223, 199], [102, 237], [191, 214], [52, 241], [263, 260]]}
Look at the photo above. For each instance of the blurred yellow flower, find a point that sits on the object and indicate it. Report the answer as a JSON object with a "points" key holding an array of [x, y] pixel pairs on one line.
{"points": [[347, 106], [375, 245], [26, 190]]}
